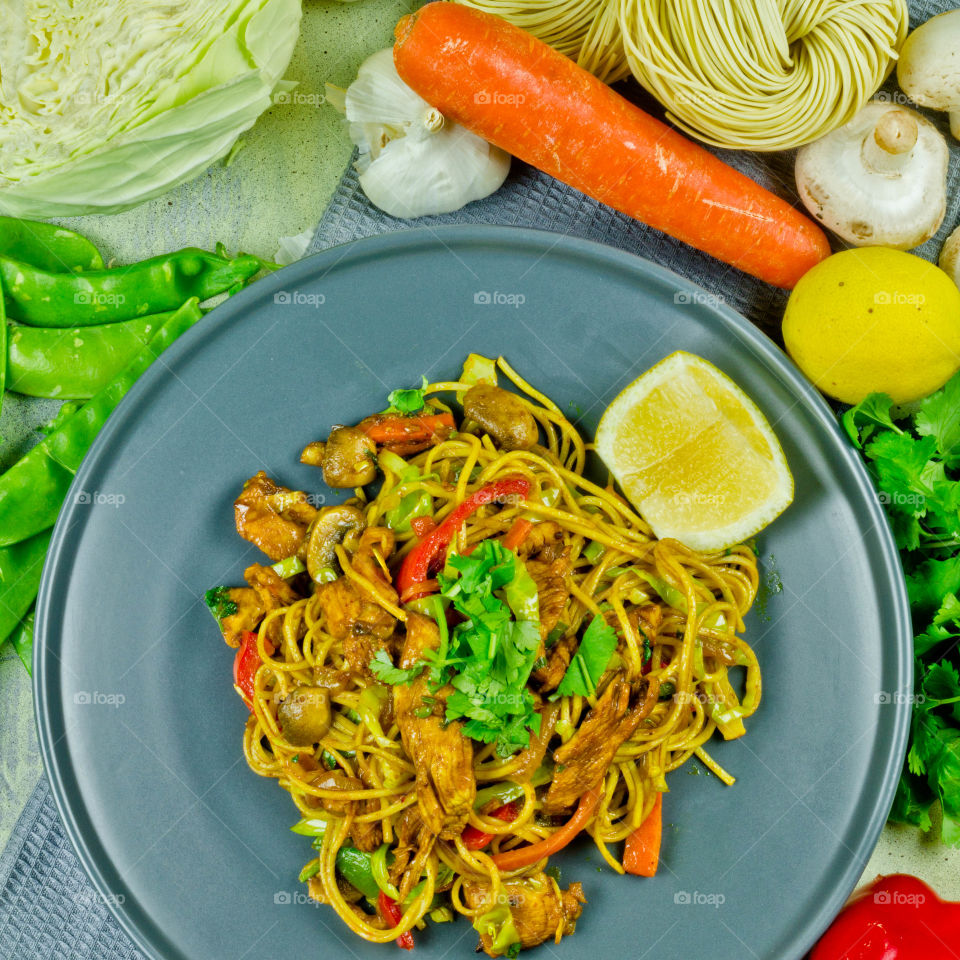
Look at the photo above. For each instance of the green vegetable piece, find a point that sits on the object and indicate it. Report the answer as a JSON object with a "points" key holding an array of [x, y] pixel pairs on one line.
{"points": [[47, 246], [310, 870], [33, 489], [383, 669], [590, 661], [22, 640], [939, 417], [44, 299], [912, 801], [408, 401], [74, 364], [354, 865], [861, 421], [3, 346], [219, 603], [594, 550], [489, 656], [20, 567], [288, 567]]}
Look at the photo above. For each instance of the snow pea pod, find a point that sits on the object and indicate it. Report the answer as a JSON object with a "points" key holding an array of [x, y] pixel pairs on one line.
{"points": [[74, 364], [45, 299], [33, 489], [20, 567], [47, 246]]}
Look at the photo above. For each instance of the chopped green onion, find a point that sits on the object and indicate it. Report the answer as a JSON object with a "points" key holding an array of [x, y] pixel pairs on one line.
{"points": [[381, 873], [310, 870], [289, 567], [313, 827], [594, 550]]}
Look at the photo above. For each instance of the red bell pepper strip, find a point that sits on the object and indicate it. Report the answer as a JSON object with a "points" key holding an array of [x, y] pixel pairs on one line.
{"points": [[896, 918], [397, 430], [474, 839], [426, 554], [391, 912], [246, 664], [532, 852]]}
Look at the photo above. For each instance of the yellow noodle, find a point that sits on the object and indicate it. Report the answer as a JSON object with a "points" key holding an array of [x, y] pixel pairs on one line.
{"points": [[744, 74]]}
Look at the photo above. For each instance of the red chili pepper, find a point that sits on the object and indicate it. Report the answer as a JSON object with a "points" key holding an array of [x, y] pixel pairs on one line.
{"points": [[417, 563], [246, 664], [391, 912], [896, 918], [474, 839]]}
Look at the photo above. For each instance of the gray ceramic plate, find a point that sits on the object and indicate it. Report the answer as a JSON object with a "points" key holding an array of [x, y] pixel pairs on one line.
{"points": [[141, 729]]}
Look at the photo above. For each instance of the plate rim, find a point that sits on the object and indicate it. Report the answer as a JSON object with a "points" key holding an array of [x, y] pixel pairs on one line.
{"points": [[59, 561]]}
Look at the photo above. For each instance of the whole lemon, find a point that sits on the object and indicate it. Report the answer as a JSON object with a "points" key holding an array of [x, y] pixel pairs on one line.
{"points": [[874, 320]]}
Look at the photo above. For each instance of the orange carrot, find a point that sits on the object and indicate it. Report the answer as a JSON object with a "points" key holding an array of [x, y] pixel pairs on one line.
{"points": [[517, 533], [642, 852], [533, 852], [513, 90]]}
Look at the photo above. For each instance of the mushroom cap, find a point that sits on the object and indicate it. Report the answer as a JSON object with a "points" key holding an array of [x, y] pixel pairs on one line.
{"points": [[928, 69], [950, 256], [899, 206]]}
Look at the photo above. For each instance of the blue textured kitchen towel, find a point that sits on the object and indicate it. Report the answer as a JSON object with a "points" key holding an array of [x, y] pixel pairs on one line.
{"points": [[48, 909]]}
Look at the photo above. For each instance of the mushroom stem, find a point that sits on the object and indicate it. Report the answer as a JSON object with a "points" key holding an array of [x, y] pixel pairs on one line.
{"points": [[886, 149], [955, 123]]}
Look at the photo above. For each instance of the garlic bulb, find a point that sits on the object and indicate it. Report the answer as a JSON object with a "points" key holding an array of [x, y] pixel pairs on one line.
{"points": [[413, 162]]}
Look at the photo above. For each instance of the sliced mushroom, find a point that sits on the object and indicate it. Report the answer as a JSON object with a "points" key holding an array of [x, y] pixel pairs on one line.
{"points": [[502, 415], [304, 716], [330, 527], [879, 180], [928, 68], [348, 458]]}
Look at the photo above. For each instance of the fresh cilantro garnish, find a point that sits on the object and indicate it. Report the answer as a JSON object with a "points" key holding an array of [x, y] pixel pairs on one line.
{"points": [[591, 659], [408, 401], [219, 602], [488, 657], [915, 464], [383, 669]]}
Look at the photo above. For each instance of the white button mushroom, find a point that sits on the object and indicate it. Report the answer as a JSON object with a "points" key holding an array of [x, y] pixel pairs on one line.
{"points": [[413, 162], [928, 70], [879, 180], [950, 256]]}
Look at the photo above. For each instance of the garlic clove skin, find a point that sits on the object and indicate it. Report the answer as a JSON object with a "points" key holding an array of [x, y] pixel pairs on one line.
{"points": [[879, 180], [424, 176], [413, 162]]}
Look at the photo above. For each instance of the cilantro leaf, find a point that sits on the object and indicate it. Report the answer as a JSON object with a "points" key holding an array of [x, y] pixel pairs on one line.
{"points": [[931, 581], [383, 669], [911, 804], [408, 401], [944, 777], [219, 603], [861, 421], [591, 659], [490, 654], [938, 631], [939, 417]]}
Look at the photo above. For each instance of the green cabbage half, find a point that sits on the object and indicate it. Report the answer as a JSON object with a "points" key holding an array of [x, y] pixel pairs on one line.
{"points": [[107, 103]]}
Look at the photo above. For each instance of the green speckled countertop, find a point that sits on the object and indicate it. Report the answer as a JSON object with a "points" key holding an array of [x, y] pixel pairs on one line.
{"points": [[277, 185]]}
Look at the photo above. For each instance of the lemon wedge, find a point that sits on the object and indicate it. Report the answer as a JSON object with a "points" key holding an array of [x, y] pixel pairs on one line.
{"points": [[695, 455]]}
